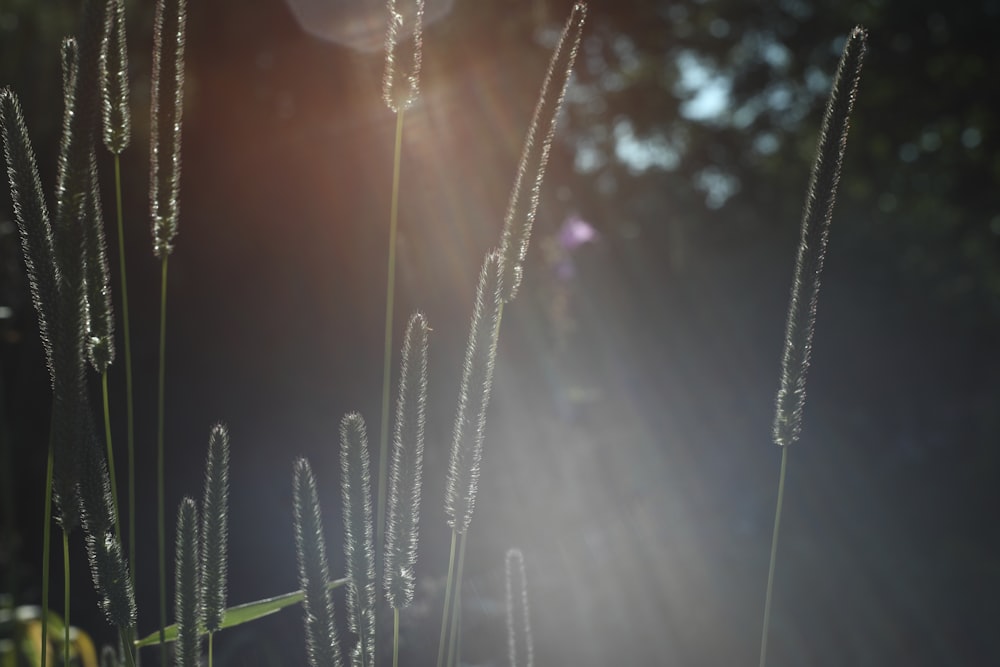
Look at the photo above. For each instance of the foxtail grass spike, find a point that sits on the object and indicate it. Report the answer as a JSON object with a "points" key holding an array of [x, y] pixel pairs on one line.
{"points": [[82, 100], [70, 317], [520, 215], [69, 56], [401, 82], [215, 528], [108, 566], [32, 216], [187, 602], [322, 643], [113, 63], [69, 311], [359, 535], [67, 459], [407, 467], [518, 633], [816, 216], [165, 126], [101, 338], [72, 181], [474, 397], [95, 485]]}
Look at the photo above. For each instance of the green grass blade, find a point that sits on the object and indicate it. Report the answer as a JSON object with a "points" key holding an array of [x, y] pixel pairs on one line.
{"points": [[240, 614]]}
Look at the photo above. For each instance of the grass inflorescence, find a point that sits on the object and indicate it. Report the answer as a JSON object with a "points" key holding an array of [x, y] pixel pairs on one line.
{"points": [[69, 277], [322, 641], [815, 232]]}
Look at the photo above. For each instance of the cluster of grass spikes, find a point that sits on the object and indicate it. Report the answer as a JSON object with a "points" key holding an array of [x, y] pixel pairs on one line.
{"points": [[66, 260]]}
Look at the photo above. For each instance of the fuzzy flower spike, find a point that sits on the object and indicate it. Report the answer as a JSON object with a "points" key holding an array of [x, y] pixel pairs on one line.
{"points": [[407, 467], [816, 216], [520, 216], [165, 127], [401, 83]]}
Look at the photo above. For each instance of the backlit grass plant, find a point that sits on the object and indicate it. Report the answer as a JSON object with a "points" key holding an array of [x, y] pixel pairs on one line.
{"points": [[69, 278]]}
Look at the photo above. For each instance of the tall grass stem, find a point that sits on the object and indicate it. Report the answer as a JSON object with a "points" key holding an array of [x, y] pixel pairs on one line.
{"points": [[46, 545], [456, 605], [111, 453], [129, 407], [127, 638], [447, 598], [390, 297], [774, 554], [395, 638], [159, 457], [66, 598]]}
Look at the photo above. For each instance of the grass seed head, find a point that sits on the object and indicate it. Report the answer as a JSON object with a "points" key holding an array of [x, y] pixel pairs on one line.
{"points": [[520, 216], [215, 528], [816, 217], [402, 535], [322, 643], [359, 533], [187, 585], [32, 217], [401, 82], [474, 397], [165, 126], [100, 315], [113, 63]]}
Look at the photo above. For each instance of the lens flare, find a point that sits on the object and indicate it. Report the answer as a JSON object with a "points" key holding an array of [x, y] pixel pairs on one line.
{"points": [[359, 24]]}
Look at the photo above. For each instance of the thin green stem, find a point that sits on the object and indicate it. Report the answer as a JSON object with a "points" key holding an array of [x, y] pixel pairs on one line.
{"points": [[774, 553], [128, 638], [395, 637], [8, 529], [447, 598], [159, 461], [111, 452], [46, 544], [210, 636], [128, 371], [66, 598], [456, 605], [390, 295]]}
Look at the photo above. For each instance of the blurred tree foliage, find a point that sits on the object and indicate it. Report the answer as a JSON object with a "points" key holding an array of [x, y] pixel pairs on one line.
{"points": [[720, 102], [700, 118]]}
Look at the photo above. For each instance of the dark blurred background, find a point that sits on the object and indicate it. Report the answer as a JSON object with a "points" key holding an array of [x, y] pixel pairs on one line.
{"points": [[628, 448]]}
